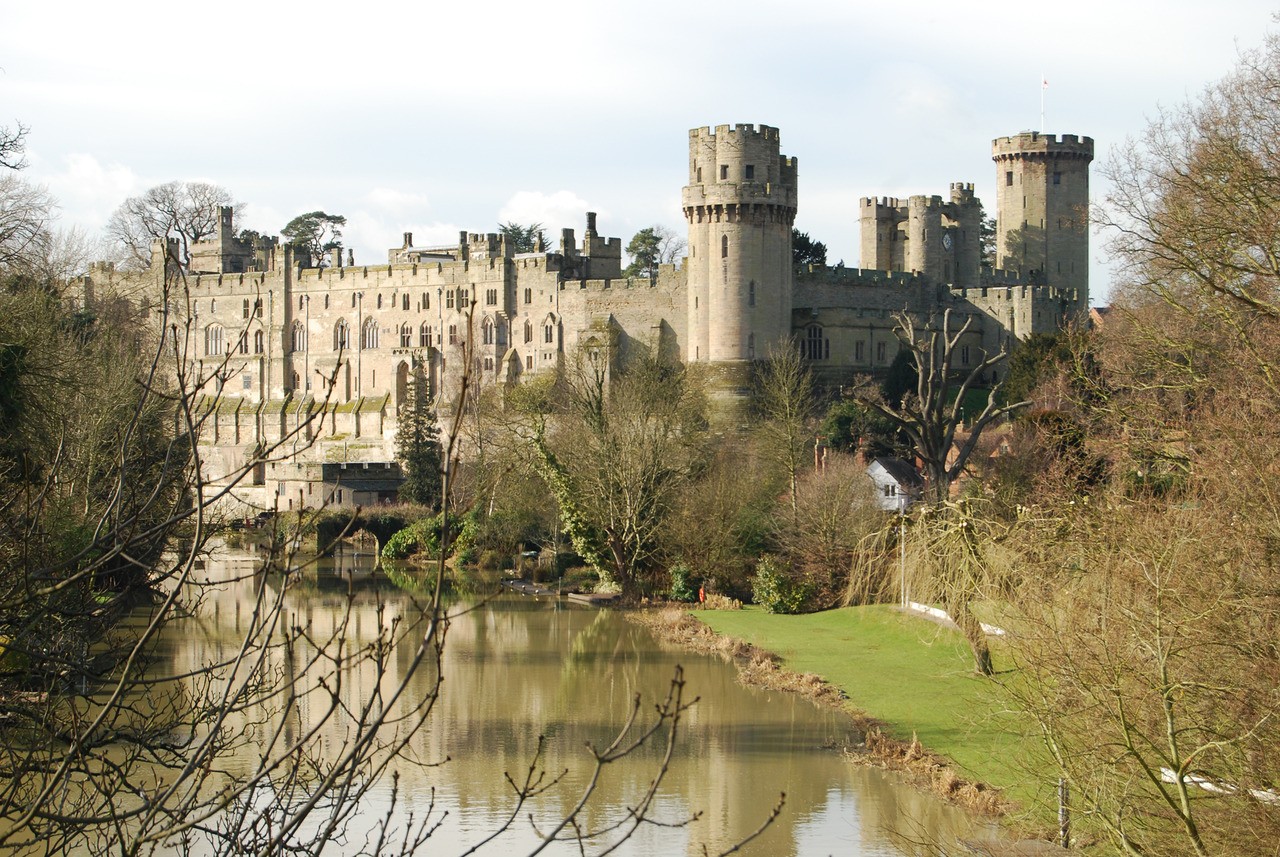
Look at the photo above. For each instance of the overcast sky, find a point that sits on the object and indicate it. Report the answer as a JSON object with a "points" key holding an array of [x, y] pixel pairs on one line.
{"points": [[432, 117]]}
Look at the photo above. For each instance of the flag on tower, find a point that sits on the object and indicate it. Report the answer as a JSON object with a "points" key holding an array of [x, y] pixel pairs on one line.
{"points": [[1044, 83]]}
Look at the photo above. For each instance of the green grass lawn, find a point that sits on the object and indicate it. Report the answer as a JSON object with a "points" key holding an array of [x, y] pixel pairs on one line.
{"points": [[912, 674]]}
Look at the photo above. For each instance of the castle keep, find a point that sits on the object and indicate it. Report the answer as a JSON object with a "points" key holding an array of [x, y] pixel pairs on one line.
{"points": [[269, 328]]}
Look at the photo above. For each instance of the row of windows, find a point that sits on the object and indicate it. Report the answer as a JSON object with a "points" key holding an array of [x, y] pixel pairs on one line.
{"points": [[1008, 178], [369, 336], [748, 173]]}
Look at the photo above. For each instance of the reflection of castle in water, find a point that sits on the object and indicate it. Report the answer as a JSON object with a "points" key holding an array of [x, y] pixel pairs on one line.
{"points": [[349, 563], [518, 669]]}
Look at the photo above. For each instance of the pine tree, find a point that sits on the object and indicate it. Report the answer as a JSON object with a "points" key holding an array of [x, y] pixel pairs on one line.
{"points": [[418, 445]]}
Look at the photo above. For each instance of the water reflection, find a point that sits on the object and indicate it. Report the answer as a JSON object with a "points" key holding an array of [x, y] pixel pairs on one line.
{"points": [[515, 669]]}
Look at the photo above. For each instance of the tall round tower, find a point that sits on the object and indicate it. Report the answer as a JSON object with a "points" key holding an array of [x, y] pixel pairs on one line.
{"points": [[740, 203], [1042, 209]]}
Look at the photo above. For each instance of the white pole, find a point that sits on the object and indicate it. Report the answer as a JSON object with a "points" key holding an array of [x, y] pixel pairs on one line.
{"points": [[902, 552], [1044, 84]]}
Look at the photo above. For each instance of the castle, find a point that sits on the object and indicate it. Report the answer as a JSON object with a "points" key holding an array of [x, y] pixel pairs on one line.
{"points": [[269, 328]]}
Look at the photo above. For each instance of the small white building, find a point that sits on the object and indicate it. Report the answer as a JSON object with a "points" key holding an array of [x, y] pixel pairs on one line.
{"points": [[898, 483]]}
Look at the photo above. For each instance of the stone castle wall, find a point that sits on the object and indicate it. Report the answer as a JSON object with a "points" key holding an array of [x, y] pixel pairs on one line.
{"points": [[278, 341]]}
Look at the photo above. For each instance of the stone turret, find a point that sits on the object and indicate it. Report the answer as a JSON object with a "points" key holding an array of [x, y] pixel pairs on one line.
{"points": [[1042, 209], [740, 204]]}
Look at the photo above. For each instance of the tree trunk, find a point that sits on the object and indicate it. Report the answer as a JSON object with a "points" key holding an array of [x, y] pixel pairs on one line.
{"points": [[969, 625]]}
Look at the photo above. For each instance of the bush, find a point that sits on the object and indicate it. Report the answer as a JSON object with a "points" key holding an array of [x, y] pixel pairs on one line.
{"points": [[492, 560], [774, 590], [682, 584]]}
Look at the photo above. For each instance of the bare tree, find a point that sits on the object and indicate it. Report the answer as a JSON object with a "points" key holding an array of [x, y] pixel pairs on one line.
{"points": [[26, 212], [785, 399], [185, 211], [933, 414], [13, 146], [836, 511]]}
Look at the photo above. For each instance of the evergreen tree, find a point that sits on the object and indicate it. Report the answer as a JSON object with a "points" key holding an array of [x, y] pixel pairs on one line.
{"points": [[806, 251], [418, 445]]}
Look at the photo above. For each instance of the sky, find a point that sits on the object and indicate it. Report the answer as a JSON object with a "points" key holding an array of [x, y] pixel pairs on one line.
{"points": [[434, 118]]}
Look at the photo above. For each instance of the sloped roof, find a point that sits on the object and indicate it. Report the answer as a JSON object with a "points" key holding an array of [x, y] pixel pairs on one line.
{"points": [[900, 471]]}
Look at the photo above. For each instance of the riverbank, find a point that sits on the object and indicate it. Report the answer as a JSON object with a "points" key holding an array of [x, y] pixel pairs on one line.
{"points": [[908, 684]]}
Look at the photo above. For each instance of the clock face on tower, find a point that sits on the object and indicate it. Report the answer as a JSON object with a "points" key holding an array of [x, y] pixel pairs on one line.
{"points": [[946, 241]]}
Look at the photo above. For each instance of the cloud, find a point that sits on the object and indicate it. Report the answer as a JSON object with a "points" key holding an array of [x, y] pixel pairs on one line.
{"points": [[554, 211], [397, 203], [87, 190]]}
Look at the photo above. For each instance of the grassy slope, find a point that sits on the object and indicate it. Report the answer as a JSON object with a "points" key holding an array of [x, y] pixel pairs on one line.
{"points": [[914, 675]]}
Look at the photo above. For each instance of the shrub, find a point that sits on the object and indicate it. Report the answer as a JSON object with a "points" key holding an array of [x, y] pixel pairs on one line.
{"points": [[492, 560], [682, 584], [716, 601], [775, 591]]}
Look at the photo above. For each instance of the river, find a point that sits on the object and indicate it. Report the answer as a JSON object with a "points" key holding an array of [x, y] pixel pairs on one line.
{"points": [[515, 668]]}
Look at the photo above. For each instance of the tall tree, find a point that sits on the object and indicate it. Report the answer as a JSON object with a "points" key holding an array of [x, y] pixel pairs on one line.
{"points": [[186, 211], [987, 242], [26, 211], [806, 251], [957, 559], [524, 238], [651, 247], [620, 448], [318, 233], [784, 396], [418, 445]]}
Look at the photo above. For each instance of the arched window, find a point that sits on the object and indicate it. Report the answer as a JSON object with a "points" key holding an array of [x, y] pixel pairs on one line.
{"points": [[528, 331], [257, 342], [486, 331], [296, 381], [246, 307], [404, 301], [326, 301], [406, 335], [424, 335], [242, 345], [379, 301], [549, 330], [213, 339], [369, 334], [213, 305], [724, 246], [298, 339], [815, 344], [341, 336]]}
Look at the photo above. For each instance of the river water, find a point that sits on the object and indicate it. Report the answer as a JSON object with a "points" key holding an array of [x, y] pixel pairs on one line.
{"points": [[515, 668]]}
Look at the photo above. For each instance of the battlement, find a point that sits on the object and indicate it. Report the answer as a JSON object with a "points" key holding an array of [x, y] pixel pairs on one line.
{"points": [[1017, 292], [922, 201], [765, 132], [840, 275], [1032, 143], [740, 156], [962, 193], [881, 202]]}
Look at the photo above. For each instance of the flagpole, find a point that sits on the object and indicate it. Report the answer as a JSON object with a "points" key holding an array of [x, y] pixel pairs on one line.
{"points": [[1044, 84]]}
